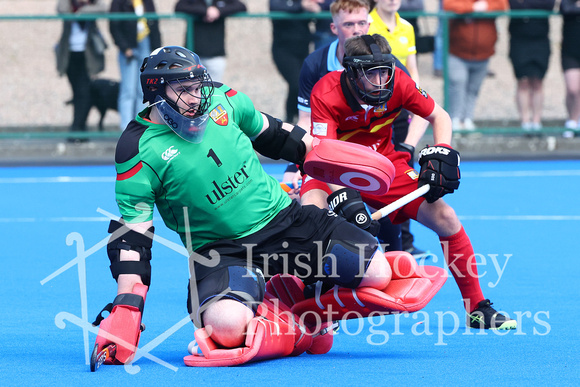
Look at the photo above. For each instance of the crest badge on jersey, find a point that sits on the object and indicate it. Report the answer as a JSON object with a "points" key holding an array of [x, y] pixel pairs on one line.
{"points": [[381, 109], [219, 115]]}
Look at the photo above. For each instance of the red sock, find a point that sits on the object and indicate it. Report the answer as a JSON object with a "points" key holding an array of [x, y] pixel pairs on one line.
{"points": [[459, 256]]}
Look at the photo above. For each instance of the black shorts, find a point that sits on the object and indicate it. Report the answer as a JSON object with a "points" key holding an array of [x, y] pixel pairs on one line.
{"points": [[570, 46], [530, 58], [294, 242], [570, 62]]}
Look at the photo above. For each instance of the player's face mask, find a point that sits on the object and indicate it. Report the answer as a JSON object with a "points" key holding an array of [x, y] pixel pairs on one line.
{"points": [[375, 84], [372, 75], [190, 129]]}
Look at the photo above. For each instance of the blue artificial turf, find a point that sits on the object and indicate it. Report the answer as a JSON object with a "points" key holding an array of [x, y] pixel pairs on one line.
{"points": [[522, 217]]}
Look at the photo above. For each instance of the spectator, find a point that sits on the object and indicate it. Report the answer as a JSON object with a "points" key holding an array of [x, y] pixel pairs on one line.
{"points": [[135, 39], [291, 45], [424, 43], [398, 32], [570, 10], [323, 36], [529, 54], [80, 55], [438, 46], [209, 31], [349, 18], [412, 6], [471, 44]]}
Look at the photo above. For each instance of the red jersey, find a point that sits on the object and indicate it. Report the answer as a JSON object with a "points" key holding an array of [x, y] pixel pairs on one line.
{"points": [[336, 114]]}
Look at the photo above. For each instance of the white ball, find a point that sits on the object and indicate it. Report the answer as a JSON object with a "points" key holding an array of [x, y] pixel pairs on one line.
{"points": [[192, 348]]}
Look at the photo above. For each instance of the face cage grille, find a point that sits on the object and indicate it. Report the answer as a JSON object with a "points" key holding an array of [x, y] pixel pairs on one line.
{"points": [[207, 90], [362, 73], [384, 89]]}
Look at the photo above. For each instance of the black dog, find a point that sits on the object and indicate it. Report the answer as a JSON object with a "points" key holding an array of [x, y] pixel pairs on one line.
{"points": [[104, 95]]}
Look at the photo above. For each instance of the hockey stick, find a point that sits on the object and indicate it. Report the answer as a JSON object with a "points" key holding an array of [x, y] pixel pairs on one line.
{"points": [[98, 358], [386, 210]]}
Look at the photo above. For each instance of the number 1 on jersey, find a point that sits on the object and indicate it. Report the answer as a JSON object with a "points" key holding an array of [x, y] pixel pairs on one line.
{"points": [[216, 159]]}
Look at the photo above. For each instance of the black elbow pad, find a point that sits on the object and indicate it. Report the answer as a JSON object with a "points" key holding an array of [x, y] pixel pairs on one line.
{"points": [[277, 143]]}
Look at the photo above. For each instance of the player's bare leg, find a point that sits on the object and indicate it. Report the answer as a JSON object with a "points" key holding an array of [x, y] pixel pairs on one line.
{"points": [[226, 322], [378, 274], [439, 217]]}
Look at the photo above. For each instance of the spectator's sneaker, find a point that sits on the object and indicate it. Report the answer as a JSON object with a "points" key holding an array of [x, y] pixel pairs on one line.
{"points": [[572, 129], [456, 124], [485, 317], [571, 124], [468, 124], [527, 126]]}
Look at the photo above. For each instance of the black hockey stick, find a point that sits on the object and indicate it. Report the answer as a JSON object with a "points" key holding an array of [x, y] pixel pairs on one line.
{"points": [[98, 358]]}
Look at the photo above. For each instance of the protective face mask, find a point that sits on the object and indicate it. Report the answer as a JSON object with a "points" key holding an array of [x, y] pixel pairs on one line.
{"points": [[189, 129]]}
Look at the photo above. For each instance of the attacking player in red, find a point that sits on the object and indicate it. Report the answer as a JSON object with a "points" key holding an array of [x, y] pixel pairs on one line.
{"points": [[359, 105]]}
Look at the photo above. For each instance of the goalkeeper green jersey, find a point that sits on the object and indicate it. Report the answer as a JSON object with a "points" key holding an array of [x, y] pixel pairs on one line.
{"points": [[213, 190]]}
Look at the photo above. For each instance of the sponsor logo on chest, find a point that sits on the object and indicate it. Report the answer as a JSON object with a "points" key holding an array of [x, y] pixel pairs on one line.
{"points": [[221, 190]]}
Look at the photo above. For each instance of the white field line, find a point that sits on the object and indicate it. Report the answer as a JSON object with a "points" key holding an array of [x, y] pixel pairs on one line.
{"points": [[110, 179], [486, 174]]}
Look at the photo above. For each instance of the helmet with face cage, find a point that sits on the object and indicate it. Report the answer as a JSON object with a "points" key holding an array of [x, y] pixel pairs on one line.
{"points": [[366, 58], [174, 64]]}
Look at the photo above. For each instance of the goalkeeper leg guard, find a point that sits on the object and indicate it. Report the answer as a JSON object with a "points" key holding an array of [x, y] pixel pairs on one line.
{"points": [[410, 289], [290, 291], [272, 334]]}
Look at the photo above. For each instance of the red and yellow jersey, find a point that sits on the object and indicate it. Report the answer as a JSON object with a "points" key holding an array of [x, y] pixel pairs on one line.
{"points": [[336, 114]]}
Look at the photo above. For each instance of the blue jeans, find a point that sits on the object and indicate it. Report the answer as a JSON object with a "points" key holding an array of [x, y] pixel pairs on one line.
{"points": [[438, 51], [130, 93], [465, 79]]}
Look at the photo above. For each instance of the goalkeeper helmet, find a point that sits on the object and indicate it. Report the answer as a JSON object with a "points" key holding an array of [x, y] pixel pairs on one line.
{"points": [[174, 80], [171, 65]]}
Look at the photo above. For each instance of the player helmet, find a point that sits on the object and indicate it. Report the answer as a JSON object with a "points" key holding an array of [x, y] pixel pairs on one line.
{"points": [[175, 67], [370, 68], [173, 63]]}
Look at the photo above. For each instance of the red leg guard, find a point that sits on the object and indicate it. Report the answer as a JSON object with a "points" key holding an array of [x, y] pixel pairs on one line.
{"points": [[290, 291], [410, 289], [123, 327], [276, 311], [265, 340], [276, 332]]}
